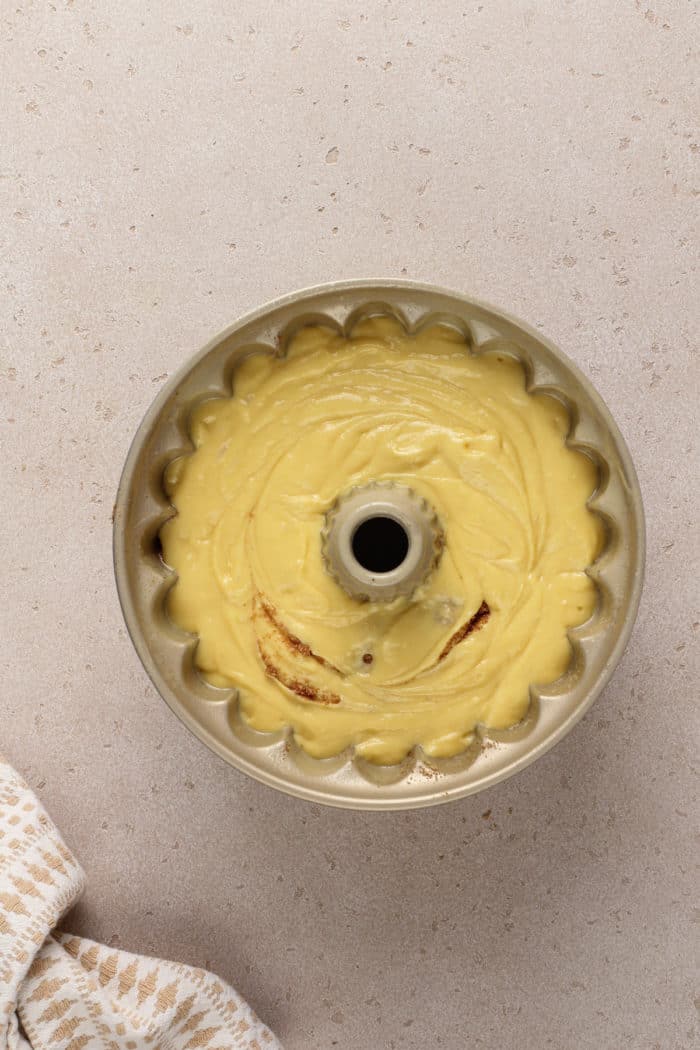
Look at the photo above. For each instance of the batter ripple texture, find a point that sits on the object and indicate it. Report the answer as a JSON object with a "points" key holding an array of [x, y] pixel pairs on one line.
{"points": [[459, 428]]}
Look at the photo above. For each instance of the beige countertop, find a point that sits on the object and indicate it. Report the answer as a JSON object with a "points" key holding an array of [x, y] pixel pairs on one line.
{"points": [[165, 168]]}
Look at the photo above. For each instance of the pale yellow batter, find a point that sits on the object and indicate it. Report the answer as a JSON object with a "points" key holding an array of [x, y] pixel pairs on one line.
{"points": [[462, 431]]}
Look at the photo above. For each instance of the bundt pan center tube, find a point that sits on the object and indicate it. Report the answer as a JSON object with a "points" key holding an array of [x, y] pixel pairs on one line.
{"points": [[378, 545], [380, 541]]}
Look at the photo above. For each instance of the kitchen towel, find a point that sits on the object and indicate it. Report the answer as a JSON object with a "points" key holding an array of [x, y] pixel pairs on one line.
{"points": [[59, 992]]}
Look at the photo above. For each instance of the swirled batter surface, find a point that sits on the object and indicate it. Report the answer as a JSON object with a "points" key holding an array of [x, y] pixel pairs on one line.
{"points": [[463, 432]]}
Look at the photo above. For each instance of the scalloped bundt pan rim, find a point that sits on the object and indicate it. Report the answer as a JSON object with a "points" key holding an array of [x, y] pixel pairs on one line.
{"points": [[167, 653]]}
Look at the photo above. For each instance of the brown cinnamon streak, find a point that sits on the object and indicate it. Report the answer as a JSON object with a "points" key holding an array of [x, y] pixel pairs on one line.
{"points": [[299, 686], [290, 639], [478, 620]]}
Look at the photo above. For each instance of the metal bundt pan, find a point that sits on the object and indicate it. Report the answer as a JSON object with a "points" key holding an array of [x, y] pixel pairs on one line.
{"points": [[274, 759]]}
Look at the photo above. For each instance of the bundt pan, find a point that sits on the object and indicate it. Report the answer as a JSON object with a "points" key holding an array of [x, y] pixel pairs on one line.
{"points": [[167, 653]]}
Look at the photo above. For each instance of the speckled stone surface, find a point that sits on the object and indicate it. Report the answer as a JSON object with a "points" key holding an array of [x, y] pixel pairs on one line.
{"points": [[166, 167]]}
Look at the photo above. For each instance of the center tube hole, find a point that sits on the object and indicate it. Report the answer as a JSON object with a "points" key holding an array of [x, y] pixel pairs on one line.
{"points": [[380, 544]]}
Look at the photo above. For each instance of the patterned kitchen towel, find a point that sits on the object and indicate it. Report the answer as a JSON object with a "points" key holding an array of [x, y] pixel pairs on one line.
{"points": [[59, 992]]}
